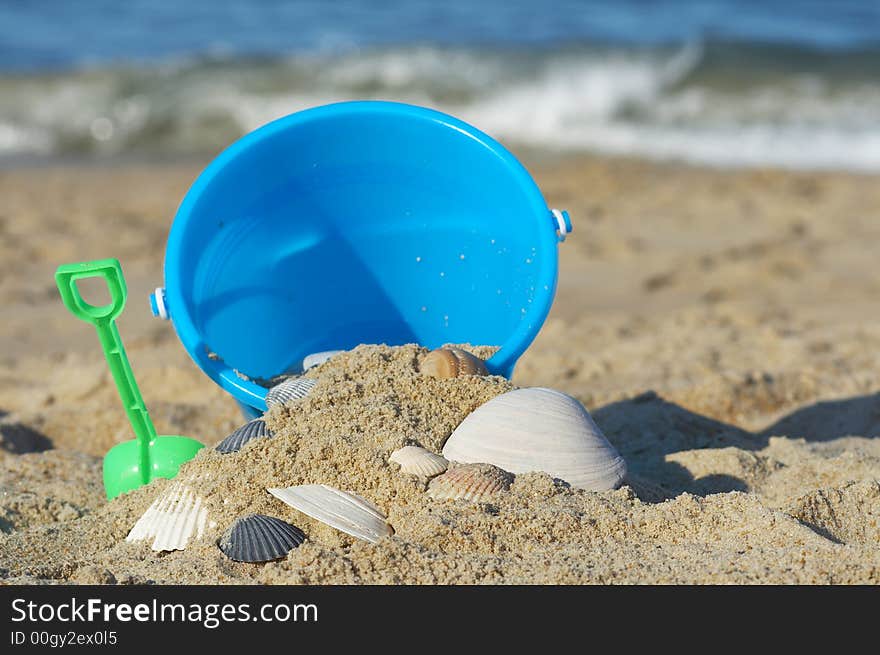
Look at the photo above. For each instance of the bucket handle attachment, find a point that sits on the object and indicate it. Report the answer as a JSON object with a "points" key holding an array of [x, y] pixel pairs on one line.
{"points": [[562, 223], [158, 304]]}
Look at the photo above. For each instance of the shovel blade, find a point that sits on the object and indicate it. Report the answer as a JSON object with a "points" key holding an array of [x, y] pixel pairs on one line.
{"points": [[122, 471]]}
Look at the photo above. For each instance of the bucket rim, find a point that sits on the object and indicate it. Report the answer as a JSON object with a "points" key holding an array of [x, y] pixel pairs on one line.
{"points": [[244, 390]]}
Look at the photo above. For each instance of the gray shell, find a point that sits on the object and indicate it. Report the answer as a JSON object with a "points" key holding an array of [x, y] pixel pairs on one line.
{"points": [[260, 538], [291, 389], [255, 429]]}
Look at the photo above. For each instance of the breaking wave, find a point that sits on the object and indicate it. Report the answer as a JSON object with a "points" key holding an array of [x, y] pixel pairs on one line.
{"points": [[716, 103]]}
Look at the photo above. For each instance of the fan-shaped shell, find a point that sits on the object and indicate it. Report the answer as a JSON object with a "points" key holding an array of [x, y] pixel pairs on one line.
{"points": [[451, 363], [260, 538], [172, 519], [290, 389], [255, 429], [538, 430], [476, 482], [314, 359], [418, 461], [342, 510]]}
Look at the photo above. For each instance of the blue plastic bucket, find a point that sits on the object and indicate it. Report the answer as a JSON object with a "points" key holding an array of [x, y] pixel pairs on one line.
{"points": [[358, 222]]}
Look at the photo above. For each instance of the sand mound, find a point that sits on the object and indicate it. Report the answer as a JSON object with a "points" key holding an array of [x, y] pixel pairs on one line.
{"points": [[371, 401], [847, 515]]}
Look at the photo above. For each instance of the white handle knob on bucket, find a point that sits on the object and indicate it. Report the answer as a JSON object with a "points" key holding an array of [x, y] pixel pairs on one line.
{"points": [[158, 305], [563, 223]]}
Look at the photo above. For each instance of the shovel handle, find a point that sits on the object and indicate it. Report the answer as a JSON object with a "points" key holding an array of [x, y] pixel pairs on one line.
{"points": [[67, 276], [103, 318]]}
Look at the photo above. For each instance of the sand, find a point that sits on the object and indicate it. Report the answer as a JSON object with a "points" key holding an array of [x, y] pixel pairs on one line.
{"points": [[721, 326]]}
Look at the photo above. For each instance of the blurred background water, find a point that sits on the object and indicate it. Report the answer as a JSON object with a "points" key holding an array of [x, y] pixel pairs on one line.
{"points": [[793, 83]]}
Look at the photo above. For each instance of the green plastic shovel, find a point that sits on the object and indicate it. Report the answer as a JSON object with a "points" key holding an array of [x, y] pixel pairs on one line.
{"points": [[130, 464]]}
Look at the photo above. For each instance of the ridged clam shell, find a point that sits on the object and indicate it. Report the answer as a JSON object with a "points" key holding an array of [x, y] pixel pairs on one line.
{"points": [[172, 519], [342, 510], [318, 358], [255, 429], [538, 430], [451, 363], [260, 538], [418, 461], [476, 482], [291, 389]]}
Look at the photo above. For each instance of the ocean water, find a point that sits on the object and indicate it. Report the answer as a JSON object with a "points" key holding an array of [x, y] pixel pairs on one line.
{"points": [[787, 83]]}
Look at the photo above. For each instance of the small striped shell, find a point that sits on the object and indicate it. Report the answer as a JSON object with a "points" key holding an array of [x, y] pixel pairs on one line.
{"points": [[418, 461], [260, 538], [342, 510], [172, 519], [476, 482], [290, 389], [451, 363], [255, 429]]}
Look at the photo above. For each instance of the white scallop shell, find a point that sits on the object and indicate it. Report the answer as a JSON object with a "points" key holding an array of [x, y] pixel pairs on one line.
{"points": [[476, 482], [538, 430], [172, 519], [318, 358], [418, 461], [342, 510]]}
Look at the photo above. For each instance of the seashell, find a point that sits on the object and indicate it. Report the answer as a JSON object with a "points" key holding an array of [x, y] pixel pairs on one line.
{"points": [[342, 510], [255, 429], [290, 389], [476, 482], [451, 363], [172, 519], [418, 461], [314, 359], [538, 430], [260, 538]]}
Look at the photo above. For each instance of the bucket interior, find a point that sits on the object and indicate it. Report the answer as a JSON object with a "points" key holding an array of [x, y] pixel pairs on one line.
{"points": [[360, 227]]}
